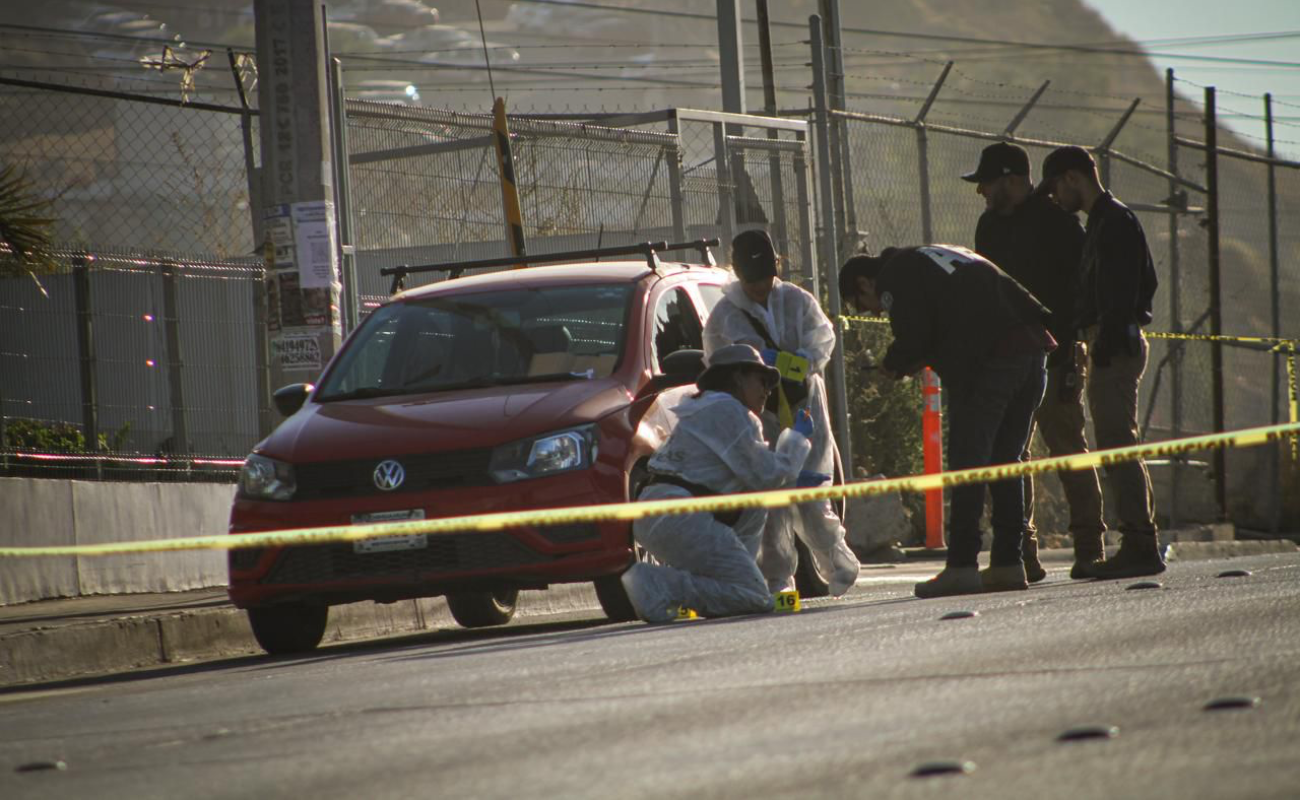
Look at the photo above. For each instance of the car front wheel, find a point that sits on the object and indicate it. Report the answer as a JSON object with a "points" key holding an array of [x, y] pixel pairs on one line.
{"points": [[483, 609], [287, 629]]}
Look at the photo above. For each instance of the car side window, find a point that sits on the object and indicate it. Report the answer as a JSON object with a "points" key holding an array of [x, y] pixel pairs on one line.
{"points": [[677, 327], [711, 294]]}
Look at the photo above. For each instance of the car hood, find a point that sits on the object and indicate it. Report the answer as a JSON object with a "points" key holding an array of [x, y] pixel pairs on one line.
{"points": [[444, 421]]}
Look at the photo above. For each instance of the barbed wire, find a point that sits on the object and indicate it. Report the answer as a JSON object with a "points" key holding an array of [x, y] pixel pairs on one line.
{"points": [[1219, 91], [957, 70]]}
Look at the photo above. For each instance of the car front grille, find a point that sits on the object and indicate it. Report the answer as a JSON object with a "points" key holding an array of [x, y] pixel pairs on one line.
{"points": [[569, 534], [424, 472], [244, 558], [445, 553]]}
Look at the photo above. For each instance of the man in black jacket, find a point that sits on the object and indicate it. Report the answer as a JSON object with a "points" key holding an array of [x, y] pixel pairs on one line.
{"points": [[1117, 283], [986, 337], [1040, 245]]}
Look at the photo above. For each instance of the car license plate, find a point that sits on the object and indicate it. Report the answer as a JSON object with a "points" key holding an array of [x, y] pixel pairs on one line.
{"points": [[388, 544]]}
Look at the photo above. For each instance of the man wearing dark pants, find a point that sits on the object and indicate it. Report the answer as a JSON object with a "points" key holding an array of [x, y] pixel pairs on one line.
{"points": [[986, 337], [1040, 245], [1117, 283]]}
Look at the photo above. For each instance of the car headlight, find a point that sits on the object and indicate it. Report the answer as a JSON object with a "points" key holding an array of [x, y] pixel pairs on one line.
{"points": [[544, 455], [263, 478]]}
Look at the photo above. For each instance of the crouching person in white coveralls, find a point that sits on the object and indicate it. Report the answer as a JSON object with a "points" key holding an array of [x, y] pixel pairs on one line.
{"points": [[706, 560], [787, 325]]}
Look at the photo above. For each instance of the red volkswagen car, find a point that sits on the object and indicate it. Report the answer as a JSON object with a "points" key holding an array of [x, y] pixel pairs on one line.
{"points": [[499, 391]]}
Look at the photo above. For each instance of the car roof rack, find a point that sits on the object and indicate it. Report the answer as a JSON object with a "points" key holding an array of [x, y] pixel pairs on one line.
{"points": [[648, 250]]}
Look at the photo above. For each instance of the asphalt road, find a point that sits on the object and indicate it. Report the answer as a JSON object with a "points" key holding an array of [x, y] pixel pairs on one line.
{"points": [[844, 699]]}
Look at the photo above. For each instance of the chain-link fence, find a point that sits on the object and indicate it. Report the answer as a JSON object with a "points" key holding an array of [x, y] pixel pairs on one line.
{"points": [[144, 353], [152, 347], [423, 185], [904, 187], [141, 347]]}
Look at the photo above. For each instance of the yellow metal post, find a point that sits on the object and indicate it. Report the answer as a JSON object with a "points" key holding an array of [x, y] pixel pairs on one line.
{"points": [[509, 189]]}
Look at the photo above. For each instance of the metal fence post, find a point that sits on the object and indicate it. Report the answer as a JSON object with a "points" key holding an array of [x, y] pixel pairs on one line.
{"points": [[830, 248], [923, 156], [1175, 311], [675, 181], [1275, 291], [175, 358], [843, 166], [833, 79], [1216, 310], [802, 181], [780, 231], [343, 200], [1103, 149], [726, 197], [261, 368], [86, 353]]}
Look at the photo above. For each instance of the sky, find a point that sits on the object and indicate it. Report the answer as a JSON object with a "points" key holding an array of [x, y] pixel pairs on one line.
{"points": [[1153, 22]]}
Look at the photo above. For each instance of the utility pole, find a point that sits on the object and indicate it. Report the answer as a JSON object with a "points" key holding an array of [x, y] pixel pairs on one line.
{"points": [[304, 327], [731, 54]]}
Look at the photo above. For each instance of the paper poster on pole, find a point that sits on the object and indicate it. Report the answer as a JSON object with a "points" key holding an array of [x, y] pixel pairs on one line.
{"points": [[297, 351], [278, 225], [314, 240]]}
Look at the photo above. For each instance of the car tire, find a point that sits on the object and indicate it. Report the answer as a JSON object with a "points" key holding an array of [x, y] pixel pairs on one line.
{"points": [[288, 629], [609, 589], [613, 599], [483, 609]]}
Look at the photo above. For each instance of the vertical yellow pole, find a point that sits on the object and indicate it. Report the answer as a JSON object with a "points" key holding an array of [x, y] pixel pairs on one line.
{"points": [[509, 189]]}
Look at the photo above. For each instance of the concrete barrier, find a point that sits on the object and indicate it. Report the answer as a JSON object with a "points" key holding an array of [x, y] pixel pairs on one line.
{"points": [[42, 512]]}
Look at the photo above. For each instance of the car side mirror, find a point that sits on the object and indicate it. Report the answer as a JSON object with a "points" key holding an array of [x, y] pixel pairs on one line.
{"points": [[288, 399]]}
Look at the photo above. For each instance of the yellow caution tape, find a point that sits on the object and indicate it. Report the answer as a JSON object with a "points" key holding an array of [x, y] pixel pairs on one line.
{"points": [[628, 512], [1279, 344], [1288, 347], [847, 318]]}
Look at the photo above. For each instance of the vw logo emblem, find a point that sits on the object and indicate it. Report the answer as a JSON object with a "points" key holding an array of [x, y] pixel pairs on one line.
{"points": [[389, 475]]}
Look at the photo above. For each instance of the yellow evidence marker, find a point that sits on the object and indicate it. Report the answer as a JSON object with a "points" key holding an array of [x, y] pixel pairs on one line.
{"points": [[787, 601]]}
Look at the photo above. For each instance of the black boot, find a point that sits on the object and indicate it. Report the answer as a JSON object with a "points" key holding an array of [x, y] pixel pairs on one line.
{"points": [[1034, 571], [1088, 553], [1138, 556]]}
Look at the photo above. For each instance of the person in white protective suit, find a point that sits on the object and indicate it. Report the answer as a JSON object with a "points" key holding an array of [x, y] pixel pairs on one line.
{"points": [[705, 561], [786, 324]]}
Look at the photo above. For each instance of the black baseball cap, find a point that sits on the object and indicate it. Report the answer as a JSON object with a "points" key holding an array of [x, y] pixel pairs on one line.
{"points": [[753, 257], [1062, 160], [1003, 158]]}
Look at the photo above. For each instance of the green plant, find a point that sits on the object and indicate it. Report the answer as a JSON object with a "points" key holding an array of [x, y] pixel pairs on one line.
{"points": [[42, 436], [24, 227]]}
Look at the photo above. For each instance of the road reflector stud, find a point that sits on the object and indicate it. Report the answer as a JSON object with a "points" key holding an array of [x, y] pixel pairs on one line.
{"points": [[1234, 573], [1143, 585], [1231, 703], [42, 766], [1086, 732], [686, 613], [787, 602], [960, 615], [931, 769]]}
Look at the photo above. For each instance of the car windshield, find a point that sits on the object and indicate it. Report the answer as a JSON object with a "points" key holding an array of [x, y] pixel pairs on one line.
{"points": [[495, 338]]}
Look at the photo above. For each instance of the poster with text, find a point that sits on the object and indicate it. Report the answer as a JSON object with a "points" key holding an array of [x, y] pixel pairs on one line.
{"points": [[315, 244]]}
